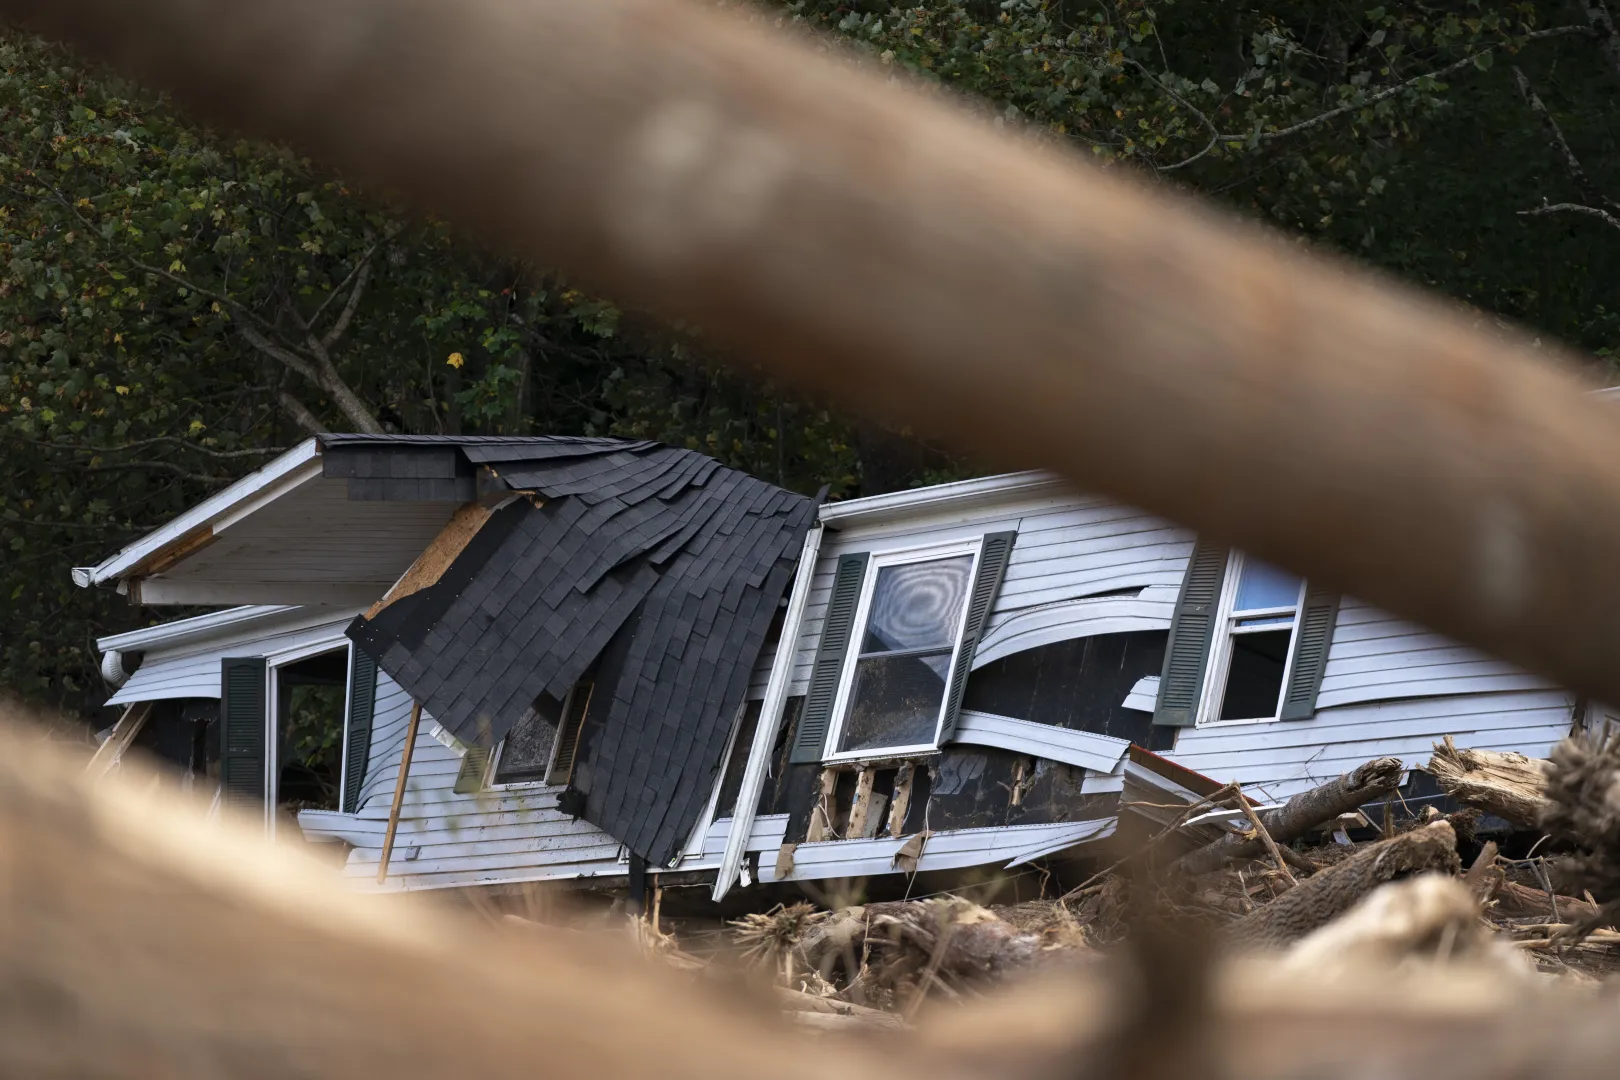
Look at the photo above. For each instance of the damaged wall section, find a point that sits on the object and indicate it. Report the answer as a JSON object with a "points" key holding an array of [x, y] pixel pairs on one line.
{"points": [[660, 561]]}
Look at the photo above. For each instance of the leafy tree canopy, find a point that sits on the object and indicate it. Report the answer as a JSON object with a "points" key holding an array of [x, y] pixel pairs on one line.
{"points": [[175, 305]]}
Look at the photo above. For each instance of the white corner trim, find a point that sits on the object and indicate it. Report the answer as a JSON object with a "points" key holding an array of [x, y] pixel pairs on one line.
{"points": [[294, 464], [770, 716]]}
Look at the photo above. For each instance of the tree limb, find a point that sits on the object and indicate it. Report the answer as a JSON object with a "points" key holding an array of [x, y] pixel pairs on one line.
{"points": [[361, 274], [1572, 208], [283, 356], [300, 415], [172, 440], [1390, 91], [1572, 164], [1597, 13]]}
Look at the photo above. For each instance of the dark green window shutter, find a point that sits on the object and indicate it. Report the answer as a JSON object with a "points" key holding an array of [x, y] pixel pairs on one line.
{"points": [[1311, 642], [242, 730], [357, 737], [993, 561], [1186, 654], [474, 763], [810, 742]]}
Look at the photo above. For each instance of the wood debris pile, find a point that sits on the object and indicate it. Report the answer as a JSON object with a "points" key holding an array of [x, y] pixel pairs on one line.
{"points": [[1403, 897]]}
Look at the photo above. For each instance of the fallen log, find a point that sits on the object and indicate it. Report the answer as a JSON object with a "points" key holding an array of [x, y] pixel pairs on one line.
{"points": [[1426, 919], [1321, 899], [1509, 785], [1299, 815]]}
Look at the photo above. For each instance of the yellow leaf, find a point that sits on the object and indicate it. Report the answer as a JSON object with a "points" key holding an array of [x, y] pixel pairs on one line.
{"points": [[118, 339], [456, 360], [122, 390]]}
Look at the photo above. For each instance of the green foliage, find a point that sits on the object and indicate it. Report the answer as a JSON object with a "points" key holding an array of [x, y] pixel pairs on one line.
{"points": [[175, 305]]}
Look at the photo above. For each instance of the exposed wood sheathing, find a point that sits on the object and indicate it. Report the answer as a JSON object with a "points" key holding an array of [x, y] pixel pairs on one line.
{"points": [[432, 563]]}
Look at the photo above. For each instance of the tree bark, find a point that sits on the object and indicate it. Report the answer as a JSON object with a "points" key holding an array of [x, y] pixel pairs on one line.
{"points": [[1318, 900], [1299, 815]]}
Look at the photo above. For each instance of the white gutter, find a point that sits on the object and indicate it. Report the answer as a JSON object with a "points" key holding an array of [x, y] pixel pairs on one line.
{"points": [[295, 463], [770, 716], [172, 633]]}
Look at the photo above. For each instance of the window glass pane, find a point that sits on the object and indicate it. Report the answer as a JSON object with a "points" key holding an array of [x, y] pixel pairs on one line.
{"points": [[527, 749], [1254, 678], [895, 701], [917, 605], [1265, 586]]}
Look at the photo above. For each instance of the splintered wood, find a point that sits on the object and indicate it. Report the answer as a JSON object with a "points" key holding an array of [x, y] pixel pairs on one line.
{"points": [[1511, 786]]}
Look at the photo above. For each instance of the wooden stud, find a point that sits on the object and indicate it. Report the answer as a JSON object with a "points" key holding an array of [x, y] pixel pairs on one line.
{"points": [[399, 791], [900, 804], [861, 805]]}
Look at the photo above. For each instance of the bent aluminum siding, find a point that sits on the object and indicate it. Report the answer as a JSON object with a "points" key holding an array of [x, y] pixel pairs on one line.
{"points": [[1086, 566]]}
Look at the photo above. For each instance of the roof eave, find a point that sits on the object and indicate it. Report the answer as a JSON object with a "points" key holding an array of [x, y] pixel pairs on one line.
{"points": [[195, 525]]}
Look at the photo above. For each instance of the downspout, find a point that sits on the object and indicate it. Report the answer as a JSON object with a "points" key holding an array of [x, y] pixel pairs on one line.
{"points": [[770, 716]]}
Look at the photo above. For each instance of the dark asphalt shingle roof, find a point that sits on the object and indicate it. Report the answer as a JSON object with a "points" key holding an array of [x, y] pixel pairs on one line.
{"points": [[677, 560]]}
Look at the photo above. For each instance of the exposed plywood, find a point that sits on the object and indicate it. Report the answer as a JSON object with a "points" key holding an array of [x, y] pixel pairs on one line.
{"points": [[438, 555]]}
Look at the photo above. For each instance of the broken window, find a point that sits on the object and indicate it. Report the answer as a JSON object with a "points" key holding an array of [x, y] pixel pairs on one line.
{"points": [[908, 626], [1249, 658], [540, 747]]}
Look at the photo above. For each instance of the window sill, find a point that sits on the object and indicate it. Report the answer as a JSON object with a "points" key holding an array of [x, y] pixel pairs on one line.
{"points": [[893, 756], [1236, 723]]}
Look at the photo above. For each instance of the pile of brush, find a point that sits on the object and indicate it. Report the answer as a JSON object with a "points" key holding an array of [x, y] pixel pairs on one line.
{"points": [[1402, 899]]}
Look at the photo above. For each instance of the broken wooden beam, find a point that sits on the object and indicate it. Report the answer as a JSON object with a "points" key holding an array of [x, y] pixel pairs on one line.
{"points": [[1299, 815], [1509, 785]]}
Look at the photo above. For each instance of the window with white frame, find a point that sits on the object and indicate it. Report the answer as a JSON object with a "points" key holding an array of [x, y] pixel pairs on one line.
{"points": [[1258, 616], [540, 747], [907, 630]]}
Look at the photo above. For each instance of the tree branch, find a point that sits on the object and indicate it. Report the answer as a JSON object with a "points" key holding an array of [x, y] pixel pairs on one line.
{"points": [[300, 415], [154, 466], [285, 357], [359, 275], [1572, 208], [1597, 14], [1390, 91], [1572, 164], [173, 440], [1214, 132]]}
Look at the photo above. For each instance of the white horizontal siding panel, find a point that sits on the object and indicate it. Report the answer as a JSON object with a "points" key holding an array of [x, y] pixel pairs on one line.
{"points": [[1144, 695], [1017, 630], [767, 834], [193, 670], [1287, 757], [949, 850], [605, 867], [445, 838], [161, 680], [1082, 748], [1102, 783]]}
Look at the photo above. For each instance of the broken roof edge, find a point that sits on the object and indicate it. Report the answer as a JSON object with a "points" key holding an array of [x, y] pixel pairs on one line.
{"points": [[187, 527]]}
